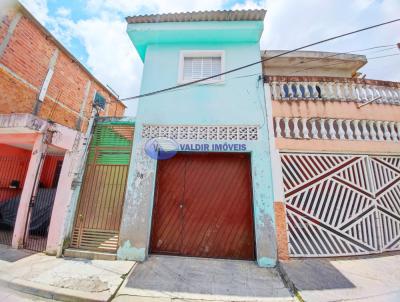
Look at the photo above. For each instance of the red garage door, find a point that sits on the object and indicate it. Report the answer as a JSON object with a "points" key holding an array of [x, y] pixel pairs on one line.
{"points": [[203, 206]]}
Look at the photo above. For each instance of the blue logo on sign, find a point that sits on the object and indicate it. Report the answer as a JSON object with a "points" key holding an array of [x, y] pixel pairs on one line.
{"points": [[161, 148]]}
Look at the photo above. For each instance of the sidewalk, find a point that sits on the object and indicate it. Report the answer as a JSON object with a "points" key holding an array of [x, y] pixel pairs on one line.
{"points": [[172, 278], [63, 279], [169, 278], [362, 279]]}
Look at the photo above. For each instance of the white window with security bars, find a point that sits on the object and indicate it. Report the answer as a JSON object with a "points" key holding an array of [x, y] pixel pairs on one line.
{"points": [[196, 65]]}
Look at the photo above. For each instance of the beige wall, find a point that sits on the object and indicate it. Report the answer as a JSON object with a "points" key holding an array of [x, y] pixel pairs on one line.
{"points": [[336, 109], [303, 71], [341, 146]]}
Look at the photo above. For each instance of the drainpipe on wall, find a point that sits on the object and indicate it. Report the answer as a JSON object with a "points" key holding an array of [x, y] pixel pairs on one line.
{"points": [[77, 182]]}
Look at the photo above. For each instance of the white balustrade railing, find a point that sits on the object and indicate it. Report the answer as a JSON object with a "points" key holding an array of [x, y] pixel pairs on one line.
{"points": [[336, 129], [350, 91]]}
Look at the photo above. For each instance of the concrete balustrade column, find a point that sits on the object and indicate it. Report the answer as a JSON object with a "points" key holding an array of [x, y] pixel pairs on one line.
{"points": [[324, 133], [305, 128], [340, 129], [30, 186], [287, 127], [379, 130], [278, 130], [296, 130], [332, 131], [365, 131], [353, 92], [314, 130], [372, 131], [393, 132]]}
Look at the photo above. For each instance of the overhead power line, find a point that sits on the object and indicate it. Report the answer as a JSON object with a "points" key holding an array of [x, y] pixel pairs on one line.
{"points": [[380, 57], [260, 74], [258, 62]]}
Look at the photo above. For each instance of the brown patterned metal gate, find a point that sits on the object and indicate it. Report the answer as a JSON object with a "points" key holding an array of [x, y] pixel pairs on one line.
{"points": [[339, 204], [99, 210], [203, 206]]}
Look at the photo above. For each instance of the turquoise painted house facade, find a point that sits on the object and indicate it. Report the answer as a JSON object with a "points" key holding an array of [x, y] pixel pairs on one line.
{"points": [[226, 114]]}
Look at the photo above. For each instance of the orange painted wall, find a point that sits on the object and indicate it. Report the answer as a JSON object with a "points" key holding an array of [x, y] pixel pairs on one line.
{"points": [[13, 166], [49, 170]]}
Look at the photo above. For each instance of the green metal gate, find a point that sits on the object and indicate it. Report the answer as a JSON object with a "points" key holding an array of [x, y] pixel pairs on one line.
{"points": [[100, 204]]}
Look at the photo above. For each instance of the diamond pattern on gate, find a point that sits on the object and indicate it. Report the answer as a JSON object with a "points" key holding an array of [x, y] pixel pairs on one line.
{"points": [[223, 133], [330, 205], [386, 171], [299, 169], [356, 174], [308, 239]]}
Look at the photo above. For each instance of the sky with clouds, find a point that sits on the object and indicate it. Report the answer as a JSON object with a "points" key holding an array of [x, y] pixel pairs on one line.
{"points": [[94, 31]]}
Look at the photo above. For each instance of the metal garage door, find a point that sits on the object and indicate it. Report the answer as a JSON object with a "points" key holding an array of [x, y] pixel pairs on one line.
{"points": [[203, 206], [339, 205]]}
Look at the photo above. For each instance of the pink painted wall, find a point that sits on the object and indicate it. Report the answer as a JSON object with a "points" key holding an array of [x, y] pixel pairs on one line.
{"points": [[61, 208]]}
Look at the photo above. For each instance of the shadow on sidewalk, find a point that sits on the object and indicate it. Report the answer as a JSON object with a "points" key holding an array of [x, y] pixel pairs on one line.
{"points": [[315, 274], [11, 255]]}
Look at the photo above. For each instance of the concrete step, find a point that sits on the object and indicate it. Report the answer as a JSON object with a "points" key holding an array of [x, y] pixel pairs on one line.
{"points": [[91, 255]]}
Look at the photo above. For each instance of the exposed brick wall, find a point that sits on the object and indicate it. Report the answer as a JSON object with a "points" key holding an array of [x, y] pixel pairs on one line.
{"points": [[15, 96], [28, 52], [68, 83], [23, 68], [281, 232], [57, 113]]}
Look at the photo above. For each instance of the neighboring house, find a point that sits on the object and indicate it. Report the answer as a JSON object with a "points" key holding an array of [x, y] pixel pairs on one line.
{"points": [[213, 198], [48, 101], [336, 155]]}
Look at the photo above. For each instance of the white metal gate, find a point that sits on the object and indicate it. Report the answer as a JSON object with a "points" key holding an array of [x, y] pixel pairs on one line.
{"points": [[338, 205]]}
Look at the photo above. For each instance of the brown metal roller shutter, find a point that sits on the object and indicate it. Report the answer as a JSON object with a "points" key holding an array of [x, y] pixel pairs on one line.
{"points": [[203, 206]]}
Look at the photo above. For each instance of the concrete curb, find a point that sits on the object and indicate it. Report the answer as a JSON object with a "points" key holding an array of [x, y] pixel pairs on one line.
{"points": [[51, 292], [146, 295]]}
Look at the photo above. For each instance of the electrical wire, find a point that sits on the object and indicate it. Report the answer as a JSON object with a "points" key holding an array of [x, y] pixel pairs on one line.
{"points": [[258, 62], [391, 55], [258, 74]]}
